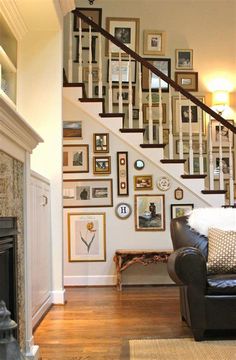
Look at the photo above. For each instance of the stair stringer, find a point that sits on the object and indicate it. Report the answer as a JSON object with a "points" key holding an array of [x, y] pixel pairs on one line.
{"points": [[134, 140]]}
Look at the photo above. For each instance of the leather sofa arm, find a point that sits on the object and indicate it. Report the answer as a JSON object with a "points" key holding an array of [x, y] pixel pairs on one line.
{"points": [[187, 266]]}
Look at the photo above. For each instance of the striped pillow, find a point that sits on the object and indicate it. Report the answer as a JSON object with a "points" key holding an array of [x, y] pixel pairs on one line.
{"points": [[221, 251]]}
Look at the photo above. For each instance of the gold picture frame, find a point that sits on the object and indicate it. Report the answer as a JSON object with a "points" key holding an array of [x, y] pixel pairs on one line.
{"points": [[149, 212], [187, 80], [143, 182], [75, 158], [154, 42], [101, 165]]}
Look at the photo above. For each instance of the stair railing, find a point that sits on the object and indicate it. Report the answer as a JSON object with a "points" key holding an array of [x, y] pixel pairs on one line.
{"points": [[123, 76]]}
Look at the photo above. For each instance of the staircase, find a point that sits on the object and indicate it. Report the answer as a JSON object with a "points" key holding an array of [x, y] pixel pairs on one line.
{"points": [[115, 120]]}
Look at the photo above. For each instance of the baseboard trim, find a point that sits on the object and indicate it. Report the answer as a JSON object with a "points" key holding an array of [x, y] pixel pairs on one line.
{"points": [[34, 353], [58, 297], [40, 313], [89, 280]]}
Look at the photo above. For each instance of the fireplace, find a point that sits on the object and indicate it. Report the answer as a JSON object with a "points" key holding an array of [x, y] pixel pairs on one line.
{"points": [[8, 236]]}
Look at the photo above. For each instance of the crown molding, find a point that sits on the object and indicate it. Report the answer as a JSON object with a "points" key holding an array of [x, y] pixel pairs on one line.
{"points": [[66, 6], [13, 17]]}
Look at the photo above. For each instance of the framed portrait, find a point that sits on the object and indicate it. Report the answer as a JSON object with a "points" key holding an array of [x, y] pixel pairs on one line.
{"points": [[161, 64], [122, 174], [95, 71], [188, 80], [143, 182], [225, 165], [184, 59], [72, 129], [101, 143], [124, 94], [87, 193], [86, 236], [94, 14], [101, 165], [155, 113], [195, 145], [125, 69], [125, 30], [75, 158], [178, 210], [227, 195], [149, 212], [154, 42], [196, 115], [226, 134]]}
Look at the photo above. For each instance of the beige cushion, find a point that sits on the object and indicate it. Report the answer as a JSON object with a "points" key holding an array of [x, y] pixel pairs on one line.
{"points": [[221, 251]]}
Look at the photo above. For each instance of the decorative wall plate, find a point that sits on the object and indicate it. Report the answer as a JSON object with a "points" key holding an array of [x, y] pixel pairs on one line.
{"points": [[163, 183], [123, 210]]}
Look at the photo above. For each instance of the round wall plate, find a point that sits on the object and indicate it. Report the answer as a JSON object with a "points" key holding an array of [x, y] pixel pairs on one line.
{"points": [[163, 183], [123, 210], [139, 164]]}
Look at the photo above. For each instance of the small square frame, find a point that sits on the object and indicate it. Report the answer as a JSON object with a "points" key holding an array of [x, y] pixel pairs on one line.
{"points": [[154, 42], [184, 59], [72, 129], [101, 143], [101, 165]]}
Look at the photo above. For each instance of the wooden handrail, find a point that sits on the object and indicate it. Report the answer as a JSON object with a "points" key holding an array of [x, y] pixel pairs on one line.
{"points": [[154, 70]]}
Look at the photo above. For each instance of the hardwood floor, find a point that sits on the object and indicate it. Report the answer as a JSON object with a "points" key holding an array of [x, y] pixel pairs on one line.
{"points": [[96, 323]]}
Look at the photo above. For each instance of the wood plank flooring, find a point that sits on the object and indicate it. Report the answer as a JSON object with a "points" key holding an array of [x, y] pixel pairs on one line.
{"points": [[96, 323]]}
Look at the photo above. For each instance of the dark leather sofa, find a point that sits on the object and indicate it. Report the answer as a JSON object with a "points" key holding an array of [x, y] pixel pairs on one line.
{"points": [[208, 302]]}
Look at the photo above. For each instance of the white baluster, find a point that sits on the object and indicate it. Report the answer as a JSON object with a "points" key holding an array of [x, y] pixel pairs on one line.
{"points": [[140, 93], [199, 116], [99, 65], [211, 165], [110, 105], [221, 180], [90, 75], [130, 96], [190, 139], [70, 49], [80, 68], [231, 178], [181, 150], [171, 153], [120, 85], [150, 122], [160, 114]]}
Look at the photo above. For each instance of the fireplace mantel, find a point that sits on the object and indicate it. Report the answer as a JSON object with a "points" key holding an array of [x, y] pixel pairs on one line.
{"points": [[17, 141]]}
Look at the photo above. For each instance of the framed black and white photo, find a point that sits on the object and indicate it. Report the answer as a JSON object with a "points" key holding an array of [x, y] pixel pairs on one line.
{"points": [[161, 64], [154, 42], [184, 59], [225, 165], [124, 70], [226, 134], [101, 143]]}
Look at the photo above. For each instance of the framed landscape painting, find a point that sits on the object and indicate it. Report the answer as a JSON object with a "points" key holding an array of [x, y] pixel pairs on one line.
{"points": [[72, 129], [178, 210], [150, 212], [86, 237]]}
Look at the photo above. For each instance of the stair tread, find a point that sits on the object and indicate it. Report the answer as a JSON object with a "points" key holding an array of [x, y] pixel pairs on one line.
{"points": [[111, 115], [91, 100], [193, 176], [157, 146], [173, 161], [213, 191], [73, 84], [134, 130]]}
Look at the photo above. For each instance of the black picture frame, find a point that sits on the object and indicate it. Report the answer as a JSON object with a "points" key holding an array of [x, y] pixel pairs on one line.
{"points": [[162, 64], [95, 14]]}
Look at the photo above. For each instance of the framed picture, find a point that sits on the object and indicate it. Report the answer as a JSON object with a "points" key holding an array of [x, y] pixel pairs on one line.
{"points": [[94, 14], [135, 114], [195, 145], [179, 193], [225, 165], [123, 210], [75, 158], [101, 143], [150, 212], [184, 59], [72, 129], [124, 94], [226, 134], [154, 42], [122, 174], [154, 132], [178, 210], [196, 116], [101, 165], [196, 165], [86, 237], [87, 193], [96, 90], [125, 69], [227, 190], [161, 64], [143, 182], [188, 80], [166, 136], [155, 113], [125, 30], [95, 71]]}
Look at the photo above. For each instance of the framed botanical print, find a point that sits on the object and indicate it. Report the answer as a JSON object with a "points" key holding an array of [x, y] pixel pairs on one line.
{"points": [[125, 30], [87, 193], [75, 158], [154, 42], [184, 59], [150, 212], [86, 236], [101, 143], [226, 134], [161, 64], [197, 115], [178, 210]]}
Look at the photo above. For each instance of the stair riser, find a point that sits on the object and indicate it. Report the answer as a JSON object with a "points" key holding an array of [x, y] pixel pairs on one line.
{"points": [[73, 93]]}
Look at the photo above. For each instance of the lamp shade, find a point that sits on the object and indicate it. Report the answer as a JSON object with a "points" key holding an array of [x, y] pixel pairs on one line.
{"points": [[220, 97]]}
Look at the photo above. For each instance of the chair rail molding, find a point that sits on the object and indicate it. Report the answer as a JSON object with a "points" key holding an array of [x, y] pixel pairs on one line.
{"points": [[12, 15]]}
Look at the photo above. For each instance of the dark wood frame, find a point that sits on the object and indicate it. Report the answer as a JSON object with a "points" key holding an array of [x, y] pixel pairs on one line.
{"points": [[163, 212], [101, 172], [179, 190], [123, 82], [95, 150], [145, 74], [172, 206], [84, 25], [125, 102], [87, 158], [181, 75], [122, 169]]}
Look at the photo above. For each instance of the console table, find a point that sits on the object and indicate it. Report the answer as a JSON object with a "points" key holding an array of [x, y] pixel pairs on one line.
{"points": [[124, 258]]}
